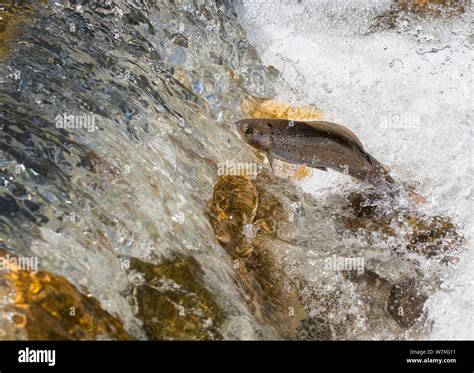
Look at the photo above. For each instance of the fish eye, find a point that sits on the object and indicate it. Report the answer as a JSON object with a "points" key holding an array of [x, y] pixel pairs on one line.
{"points": [[248, 130]]}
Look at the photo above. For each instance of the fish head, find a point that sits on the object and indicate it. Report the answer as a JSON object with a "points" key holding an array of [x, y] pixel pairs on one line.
{"points": [[255, 132]]}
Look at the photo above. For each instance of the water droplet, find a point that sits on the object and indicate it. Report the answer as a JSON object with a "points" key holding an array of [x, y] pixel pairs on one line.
{"points": [[249, 231], [198, 87]]}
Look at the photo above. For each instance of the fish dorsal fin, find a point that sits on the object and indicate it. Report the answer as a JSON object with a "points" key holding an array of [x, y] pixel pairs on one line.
{"points": [[337, 130]]}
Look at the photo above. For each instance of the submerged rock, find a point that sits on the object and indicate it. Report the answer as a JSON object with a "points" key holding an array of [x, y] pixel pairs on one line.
{"points": [[173, 302], [163, 83], [233, 207], [402, 12], [434, 236], [427, 235], [43, 306], [268, 291], [405, 303]]}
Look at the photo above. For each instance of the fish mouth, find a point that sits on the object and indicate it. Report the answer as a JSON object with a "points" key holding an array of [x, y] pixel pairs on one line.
{"points": [[261, 139]]}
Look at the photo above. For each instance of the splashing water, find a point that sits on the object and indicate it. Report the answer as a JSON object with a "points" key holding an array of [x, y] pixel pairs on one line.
{"points": [[406, 90], [115, 127]]}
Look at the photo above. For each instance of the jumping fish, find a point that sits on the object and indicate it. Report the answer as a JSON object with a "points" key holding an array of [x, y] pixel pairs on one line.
{"points": [[316, 144]]}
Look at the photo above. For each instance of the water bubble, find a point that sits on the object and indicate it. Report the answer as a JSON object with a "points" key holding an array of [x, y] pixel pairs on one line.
{"points": [[249, 231], [396, 65], [178, 218], [198, 87]]}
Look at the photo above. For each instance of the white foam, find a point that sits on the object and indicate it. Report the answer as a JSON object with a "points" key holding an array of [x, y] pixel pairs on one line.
{"points": [[423, 75]]}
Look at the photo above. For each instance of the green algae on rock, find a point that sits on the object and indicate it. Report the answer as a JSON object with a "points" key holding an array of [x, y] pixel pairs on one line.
{"points": [[173, 302]]}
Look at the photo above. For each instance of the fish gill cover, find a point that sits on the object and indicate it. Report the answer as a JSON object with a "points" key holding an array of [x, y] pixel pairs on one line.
{"points": [[130, 208]]}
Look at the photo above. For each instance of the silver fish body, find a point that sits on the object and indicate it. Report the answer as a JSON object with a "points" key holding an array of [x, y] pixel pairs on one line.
{"points": [[321, 145]]}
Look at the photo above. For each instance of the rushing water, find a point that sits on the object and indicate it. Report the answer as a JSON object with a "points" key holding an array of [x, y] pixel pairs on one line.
{"points": [[406, 90], [162, 82], [125, 204]]}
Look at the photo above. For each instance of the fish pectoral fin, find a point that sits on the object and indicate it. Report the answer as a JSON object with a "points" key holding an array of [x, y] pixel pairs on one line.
{"points": [[321, 168], [270, 160]]}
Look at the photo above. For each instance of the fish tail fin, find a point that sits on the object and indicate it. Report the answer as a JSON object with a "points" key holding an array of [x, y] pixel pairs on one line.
{"points": [[380, 176], [379, 172]]}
